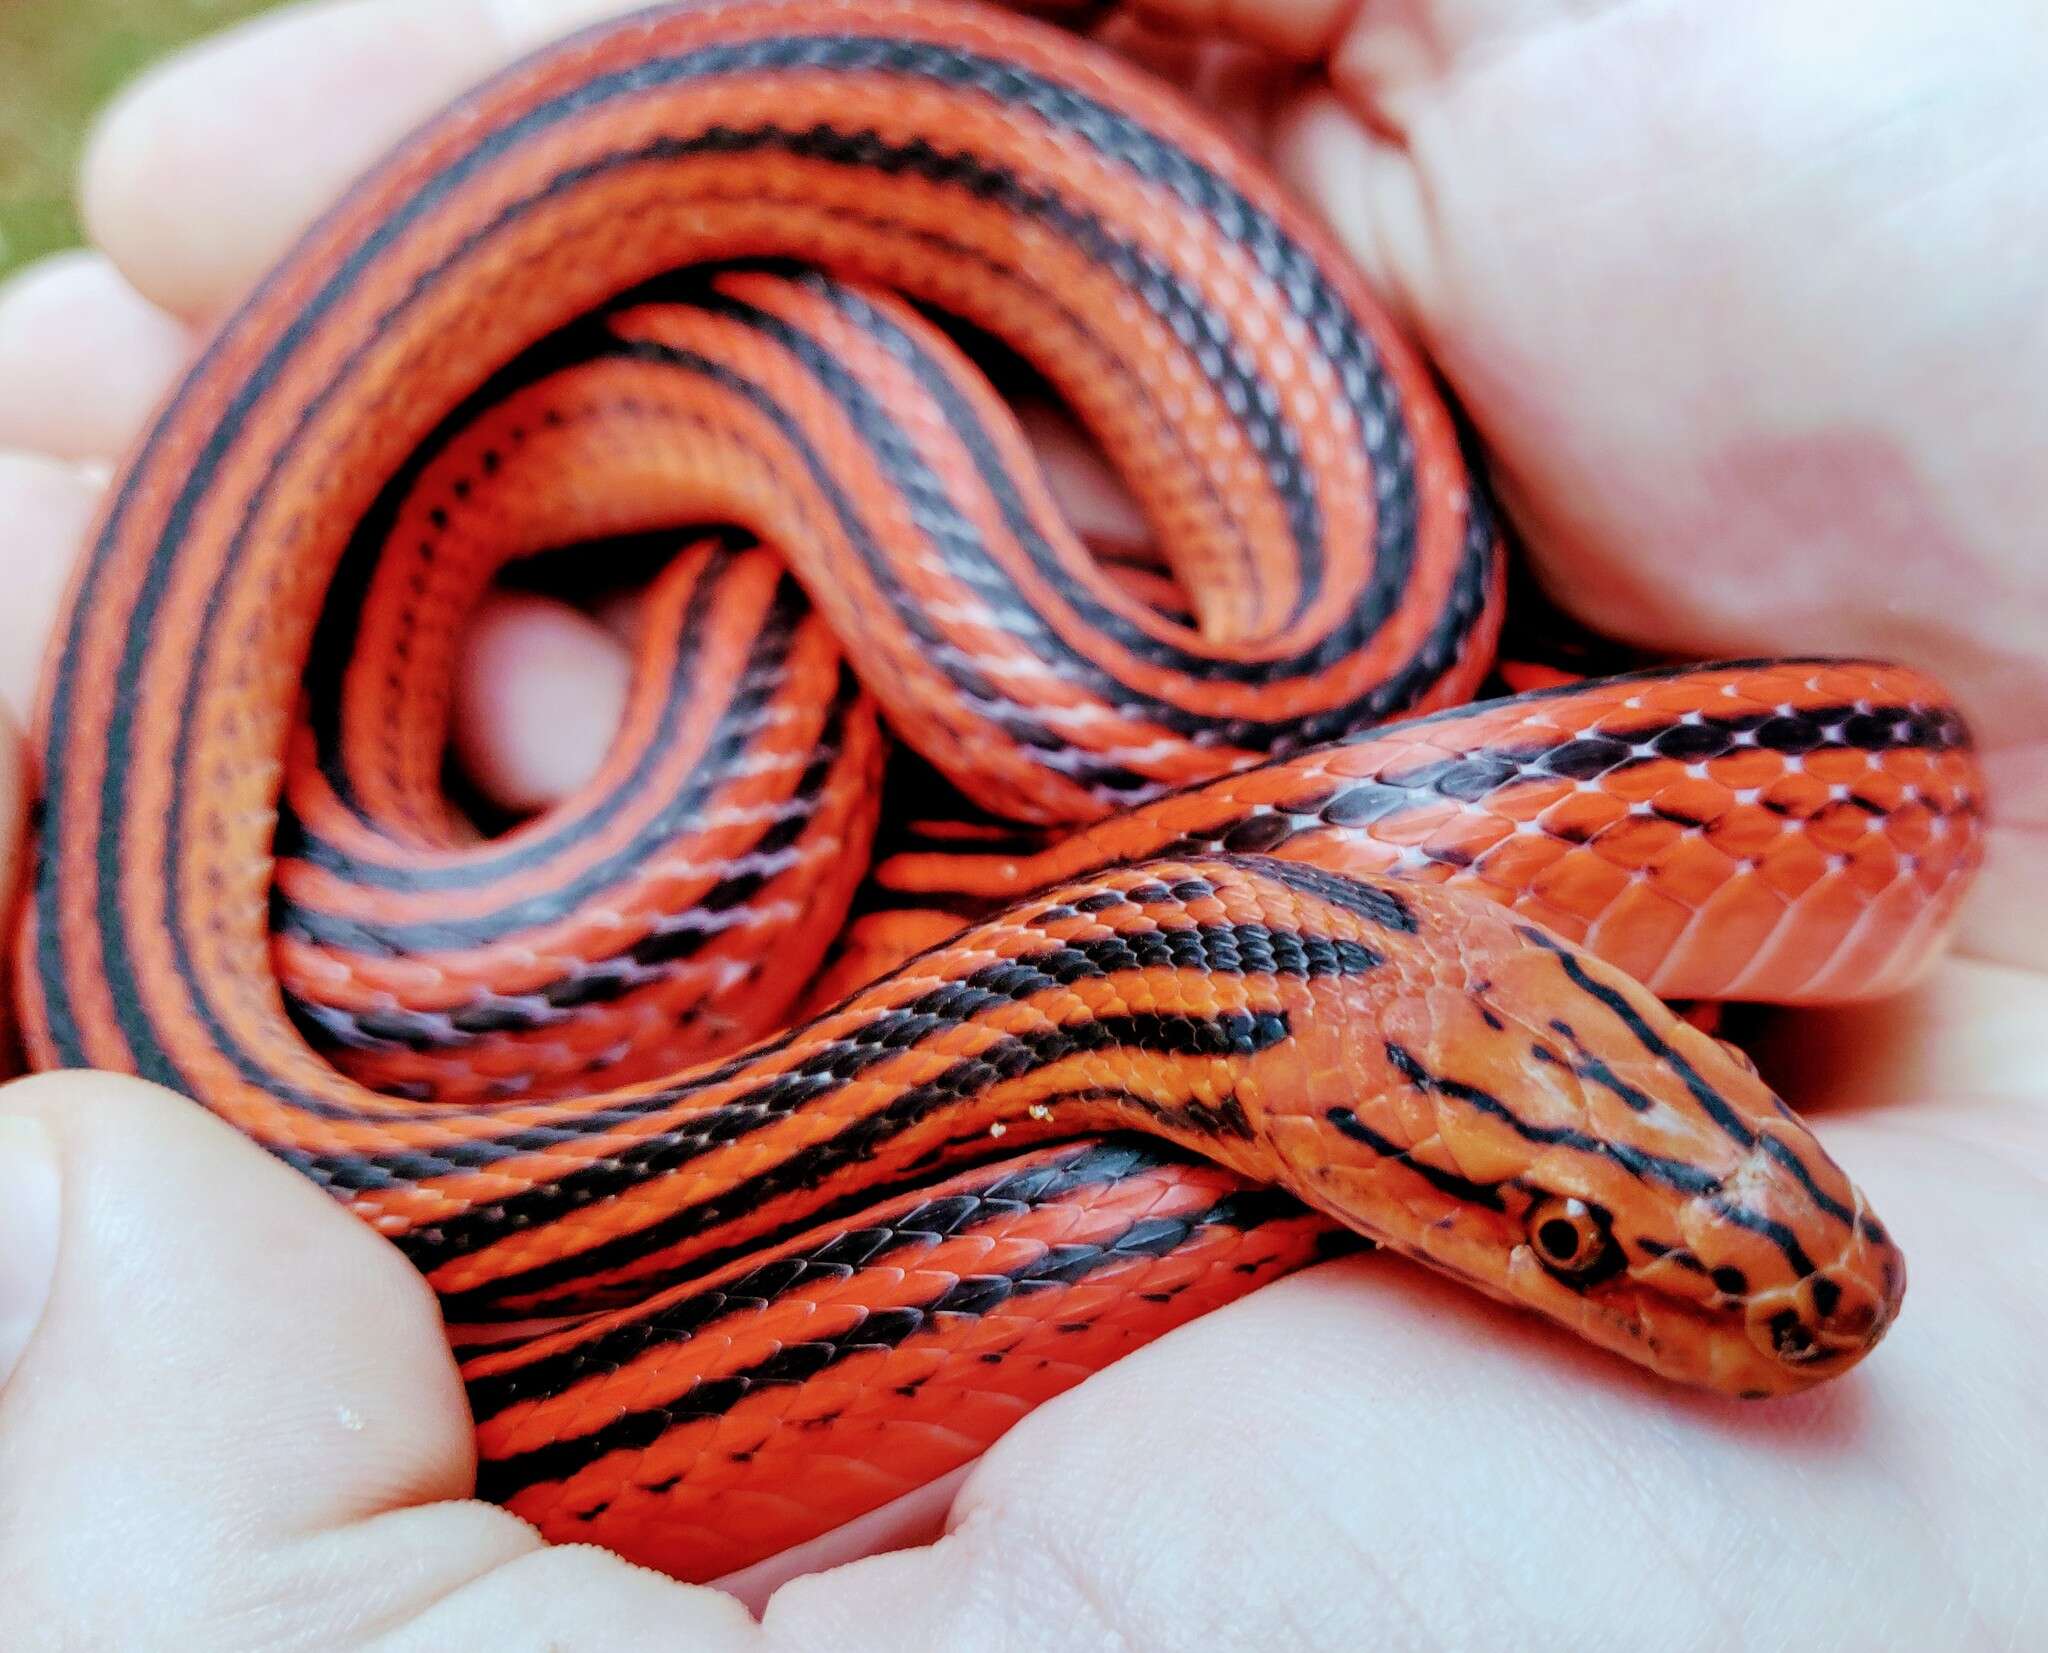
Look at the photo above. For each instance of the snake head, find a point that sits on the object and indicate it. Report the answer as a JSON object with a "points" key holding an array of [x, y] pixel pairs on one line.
{"points": [[1533, 1122]]}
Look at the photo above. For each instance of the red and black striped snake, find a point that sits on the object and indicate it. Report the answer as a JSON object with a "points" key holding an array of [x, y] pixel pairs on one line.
{"points": [[724, 1281]]}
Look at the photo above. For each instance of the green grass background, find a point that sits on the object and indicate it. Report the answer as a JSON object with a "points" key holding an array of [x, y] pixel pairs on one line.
{"points": [[60, 60]]}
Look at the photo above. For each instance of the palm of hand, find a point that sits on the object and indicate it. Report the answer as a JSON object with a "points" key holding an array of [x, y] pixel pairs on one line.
{"points": [[1725, 303]]}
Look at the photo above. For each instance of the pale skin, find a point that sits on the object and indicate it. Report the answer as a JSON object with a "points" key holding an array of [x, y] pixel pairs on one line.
{"points": [[1745, 299]]}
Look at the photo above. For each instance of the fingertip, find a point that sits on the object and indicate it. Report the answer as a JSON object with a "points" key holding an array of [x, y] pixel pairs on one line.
{"points": [[1362, 188], [1091, 496], [527, 25], [48, 508], [31, 1194], [1235, 83], [539, 694], [83, 358], [203, 170], [578, 1596], [55, 1102], [1303, 31], [273, 1350], [14, 790], [917, 1519]]}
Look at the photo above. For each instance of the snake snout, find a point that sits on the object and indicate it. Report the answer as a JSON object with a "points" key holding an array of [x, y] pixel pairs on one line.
{"points": [[1834, 1316]]}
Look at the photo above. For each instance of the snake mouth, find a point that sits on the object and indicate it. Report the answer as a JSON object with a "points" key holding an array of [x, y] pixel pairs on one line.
{"points": [[1777, 1344], [1688, 1320]]}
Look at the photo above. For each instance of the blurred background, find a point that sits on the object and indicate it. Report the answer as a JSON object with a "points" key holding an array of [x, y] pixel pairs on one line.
{"points": [[59, 61]]}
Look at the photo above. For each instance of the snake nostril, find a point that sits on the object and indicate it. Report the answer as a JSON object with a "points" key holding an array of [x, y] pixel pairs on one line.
{"points": [[1791, 1338], [1834, 1314], [1844, 1319]]}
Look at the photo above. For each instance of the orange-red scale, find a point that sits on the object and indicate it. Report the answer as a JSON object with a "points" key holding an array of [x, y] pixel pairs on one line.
{"points": [[717, 1494]]}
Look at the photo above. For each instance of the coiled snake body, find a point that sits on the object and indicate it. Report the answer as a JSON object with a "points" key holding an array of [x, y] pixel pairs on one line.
{"points": [[726, 1281]]}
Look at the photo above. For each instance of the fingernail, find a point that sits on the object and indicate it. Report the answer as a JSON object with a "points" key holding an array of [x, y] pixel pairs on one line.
{"points": [[30, 1192]]}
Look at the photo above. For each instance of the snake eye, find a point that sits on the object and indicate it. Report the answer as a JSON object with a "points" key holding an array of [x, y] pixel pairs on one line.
{"points": [[1575, 1240]]}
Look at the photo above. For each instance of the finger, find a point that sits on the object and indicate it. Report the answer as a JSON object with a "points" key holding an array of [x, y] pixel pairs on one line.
{"points": [[539, 694], [13, 832], [1362, 183], [2000, 923], [1374, 49], [83, 358], [918, 1517], [239, 1301], [1971, 1030], [204, 170], [235, 1406], [48, 508], [1238, 85], [1303, 30], [1090, 494]]}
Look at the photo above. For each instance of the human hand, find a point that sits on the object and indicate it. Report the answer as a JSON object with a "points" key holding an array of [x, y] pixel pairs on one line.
{"points": [[1347, 1498]]}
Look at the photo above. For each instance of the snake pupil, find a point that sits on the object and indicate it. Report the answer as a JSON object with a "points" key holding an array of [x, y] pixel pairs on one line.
{"points": [[1559, 1238]]}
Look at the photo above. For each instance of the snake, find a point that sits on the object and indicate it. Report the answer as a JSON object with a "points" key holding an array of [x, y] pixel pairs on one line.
{"points": [[970, 959]]}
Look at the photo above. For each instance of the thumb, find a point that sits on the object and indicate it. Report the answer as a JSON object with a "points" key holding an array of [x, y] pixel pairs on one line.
{"points": [[230, 1416]]}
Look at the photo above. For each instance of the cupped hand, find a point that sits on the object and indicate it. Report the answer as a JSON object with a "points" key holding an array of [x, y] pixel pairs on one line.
{"points": [[1740, 297]]}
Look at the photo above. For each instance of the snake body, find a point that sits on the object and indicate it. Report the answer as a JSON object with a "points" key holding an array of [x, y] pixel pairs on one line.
{"points": [[726, 1275]]}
